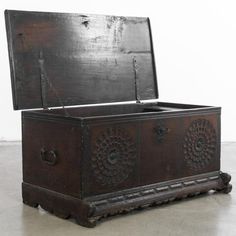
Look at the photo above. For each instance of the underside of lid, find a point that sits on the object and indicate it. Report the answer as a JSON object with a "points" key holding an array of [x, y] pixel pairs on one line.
{"points": [[61, 59]]}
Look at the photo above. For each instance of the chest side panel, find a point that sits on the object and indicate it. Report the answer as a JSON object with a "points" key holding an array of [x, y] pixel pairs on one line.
{"points": [[52, 155]]}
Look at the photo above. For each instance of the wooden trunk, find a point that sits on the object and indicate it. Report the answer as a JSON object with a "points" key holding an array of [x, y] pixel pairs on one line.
{"points": [[92, 161]]}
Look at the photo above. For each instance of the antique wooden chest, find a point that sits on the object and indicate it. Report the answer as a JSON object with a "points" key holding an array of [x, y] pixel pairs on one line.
{"points": [[87, 159]]}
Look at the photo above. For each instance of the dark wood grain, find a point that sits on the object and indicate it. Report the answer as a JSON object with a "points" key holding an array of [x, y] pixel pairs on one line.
{"points": [[89, 210], [70, 59], [63, 176], [95, 161]]}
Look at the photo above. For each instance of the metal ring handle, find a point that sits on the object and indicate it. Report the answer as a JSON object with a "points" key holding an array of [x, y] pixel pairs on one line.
{"points": [[48, 157]]}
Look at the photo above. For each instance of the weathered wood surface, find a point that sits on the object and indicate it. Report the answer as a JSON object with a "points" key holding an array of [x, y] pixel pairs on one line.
{"points": [[70, 59], [88, 211]]}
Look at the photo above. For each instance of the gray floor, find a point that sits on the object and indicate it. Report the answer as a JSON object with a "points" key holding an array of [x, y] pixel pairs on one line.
{"points": [[213, 214]]}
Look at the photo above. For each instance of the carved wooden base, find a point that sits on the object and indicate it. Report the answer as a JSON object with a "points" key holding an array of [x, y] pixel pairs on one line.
{"points": [[89, 210], [61, 205], [227, 187]]}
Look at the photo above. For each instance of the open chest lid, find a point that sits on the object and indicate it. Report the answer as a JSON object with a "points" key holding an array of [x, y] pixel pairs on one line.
{"points": [[60, 59]]}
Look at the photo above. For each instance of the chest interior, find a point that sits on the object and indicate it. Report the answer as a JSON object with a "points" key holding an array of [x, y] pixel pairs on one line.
{"points": [[121, 110]]}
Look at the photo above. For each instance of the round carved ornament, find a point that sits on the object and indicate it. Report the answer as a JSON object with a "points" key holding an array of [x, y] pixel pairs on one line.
{"points": [[199, 144], [114, 156]]}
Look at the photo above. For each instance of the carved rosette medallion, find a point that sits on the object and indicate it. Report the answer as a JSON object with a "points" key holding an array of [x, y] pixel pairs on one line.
{"points": [[199, 144], [114, 156]]}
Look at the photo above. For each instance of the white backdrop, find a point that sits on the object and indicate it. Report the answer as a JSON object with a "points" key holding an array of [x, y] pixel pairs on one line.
{"points": [[195, 50]]}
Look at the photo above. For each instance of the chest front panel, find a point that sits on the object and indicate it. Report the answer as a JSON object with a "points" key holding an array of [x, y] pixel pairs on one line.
{"points": [[179, 146], [111, 157], [136, 153]]}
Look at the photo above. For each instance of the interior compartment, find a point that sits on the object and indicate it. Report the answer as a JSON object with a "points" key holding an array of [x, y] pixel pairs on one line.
{"points": [[119, 109]]}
